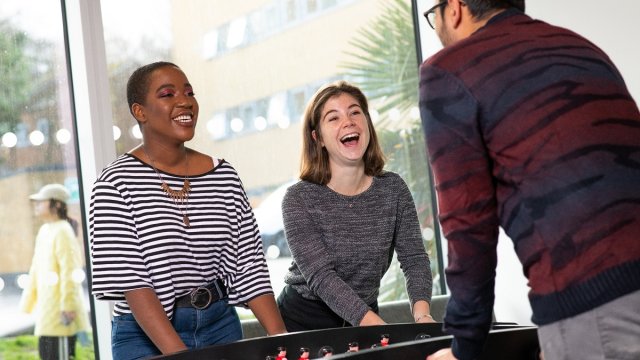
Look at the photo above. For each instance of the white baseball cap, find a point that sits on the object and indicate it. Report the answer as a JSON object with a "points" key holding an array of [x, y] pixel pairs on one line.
{"points": [[52, 191]]}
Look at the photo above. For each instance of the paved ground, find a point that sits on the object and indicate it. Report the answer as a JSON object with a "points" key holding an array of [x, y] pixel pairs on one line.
{"points": [[13, 321]]}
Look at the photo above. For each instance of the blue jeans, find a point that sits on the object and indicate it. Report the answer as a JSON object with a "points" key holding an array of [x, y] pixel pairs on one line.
{"points": [[217, 324]]}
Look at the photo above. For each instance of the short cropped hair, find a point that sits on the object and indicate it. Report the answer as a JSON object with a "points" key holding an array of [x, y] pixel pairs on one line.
{"points": [[480, 8], [315, 158], [138, 83]]}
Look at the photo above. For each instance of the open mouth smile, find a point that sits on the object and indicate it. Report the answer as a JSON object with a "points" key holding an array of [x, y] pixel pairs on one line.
{"points": [[350, 139], [183, 119]]}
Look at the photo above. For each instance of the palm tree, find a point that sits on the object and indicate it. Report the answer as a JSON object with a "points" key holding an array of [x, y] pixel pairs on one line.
{"points": [[385, 67]]}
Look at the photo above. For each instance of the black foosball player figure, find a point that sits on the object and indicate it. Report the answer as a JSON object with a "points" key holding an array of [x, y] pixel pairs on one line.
{"points": [[325, 351], [282, 353], [384, 339], [270, 357], [353, 347], [304, 353]]}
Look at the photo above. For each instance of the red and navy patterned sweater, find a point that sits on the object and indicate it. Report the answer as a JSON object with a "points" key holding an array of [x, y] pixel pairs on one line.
{"points": [[531, 127]]}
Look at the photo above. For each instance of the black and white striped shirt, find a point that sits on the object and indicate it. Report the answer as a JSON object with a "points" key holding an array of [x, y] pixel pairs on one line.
{"points": [[139, 240]]}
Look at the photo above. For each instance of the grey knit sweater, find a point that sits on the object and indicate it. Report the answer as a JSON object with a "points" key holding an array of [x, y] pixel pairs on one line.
{"points": [[343, 245]]}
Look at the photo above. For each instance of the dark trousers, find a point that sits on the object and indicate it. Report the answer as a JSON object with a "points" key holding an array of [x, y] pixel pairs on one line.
{"points": [[300, 314], [49, 347]]}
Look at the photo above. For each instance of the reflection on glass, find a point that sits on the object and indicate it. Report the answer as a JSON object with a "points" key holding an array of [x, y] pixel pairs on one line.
{"points": [[116, 133], [63, 136], [9, 139], [37, 148], [217, 126]]}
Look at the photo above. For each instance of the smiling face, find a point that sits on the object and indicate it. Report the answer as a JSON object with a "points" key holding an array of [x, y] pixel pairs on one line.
{"points": [[170, 109], [343, 130]]}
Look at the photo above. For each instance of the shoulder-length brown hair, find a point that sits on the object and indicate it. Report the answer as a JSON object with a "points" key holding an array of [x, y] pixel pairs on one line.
{"points": [[315, 159]]}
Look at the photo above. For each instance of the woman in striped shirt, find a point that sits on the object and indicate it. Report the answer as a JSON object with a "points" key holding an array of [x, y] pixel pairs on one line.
{"points": [[173, 238]]}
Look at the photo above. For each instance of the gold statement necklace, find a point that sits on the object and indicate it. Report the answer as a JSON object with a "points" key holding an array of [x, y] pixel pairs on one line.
{"points": [[179, 197]]}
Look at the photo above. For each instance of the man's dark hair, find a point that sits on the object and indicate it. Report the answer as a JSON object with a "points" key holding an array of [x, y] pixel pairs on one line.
{"points": [[480, 8], [138, 84]]}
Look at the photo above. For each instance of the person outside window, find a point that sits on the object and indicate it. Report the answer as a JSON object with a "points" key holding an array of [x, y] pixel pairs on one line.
{"points": [[54, 292]]}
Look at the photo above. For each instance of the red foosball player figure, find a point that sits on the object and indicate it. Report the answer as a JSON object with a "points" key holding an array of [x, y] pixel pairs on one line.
{"points": [[304, 353], [384, 339], [282, 353], [325, 351], [353, 347]]}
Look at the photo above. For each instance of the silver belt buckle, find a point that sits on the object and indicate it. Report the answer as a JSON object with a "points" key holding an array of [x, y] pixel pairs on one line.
{"points": [[195, 294]]}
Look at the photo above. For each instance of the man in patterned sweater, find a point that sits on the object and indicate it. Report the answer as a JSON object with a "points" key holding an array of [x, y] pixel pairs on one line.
{"points": [[531, 127]]}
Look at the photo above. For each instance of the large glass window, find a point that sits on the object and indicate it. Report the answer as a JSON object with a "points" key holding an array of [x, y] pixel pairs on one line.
{"points": [[43, 259], [254, 65]]}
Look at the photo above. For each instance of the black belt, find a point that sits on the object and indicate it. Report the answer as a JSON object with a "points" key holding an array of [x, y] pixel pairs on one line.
{"points": [[203, 296]]}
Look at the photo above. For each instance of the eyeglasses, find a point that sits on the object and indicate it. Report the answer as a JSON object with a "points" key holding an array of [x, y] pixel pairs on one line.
{"points": [[430, 14]]}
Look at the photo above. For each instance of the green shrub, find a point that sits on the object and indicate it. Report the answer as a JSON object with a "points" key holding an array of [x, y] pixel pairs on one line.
{"points": [[25, 347]]}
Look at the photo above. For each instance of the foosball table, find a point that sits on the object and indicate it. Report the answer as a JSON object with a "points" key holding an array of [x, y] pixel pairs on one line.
{"points": [[384, 342]]}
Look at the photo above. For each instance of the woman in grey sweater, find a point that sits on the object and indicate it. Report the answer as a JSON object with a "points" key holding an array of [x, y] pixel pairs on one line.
{"points": [[344, 220]]}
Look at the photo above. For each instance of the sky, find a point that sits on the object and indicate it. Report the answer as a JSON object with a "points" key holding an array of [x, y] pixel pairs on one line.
{"points": [[120, 18]]}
